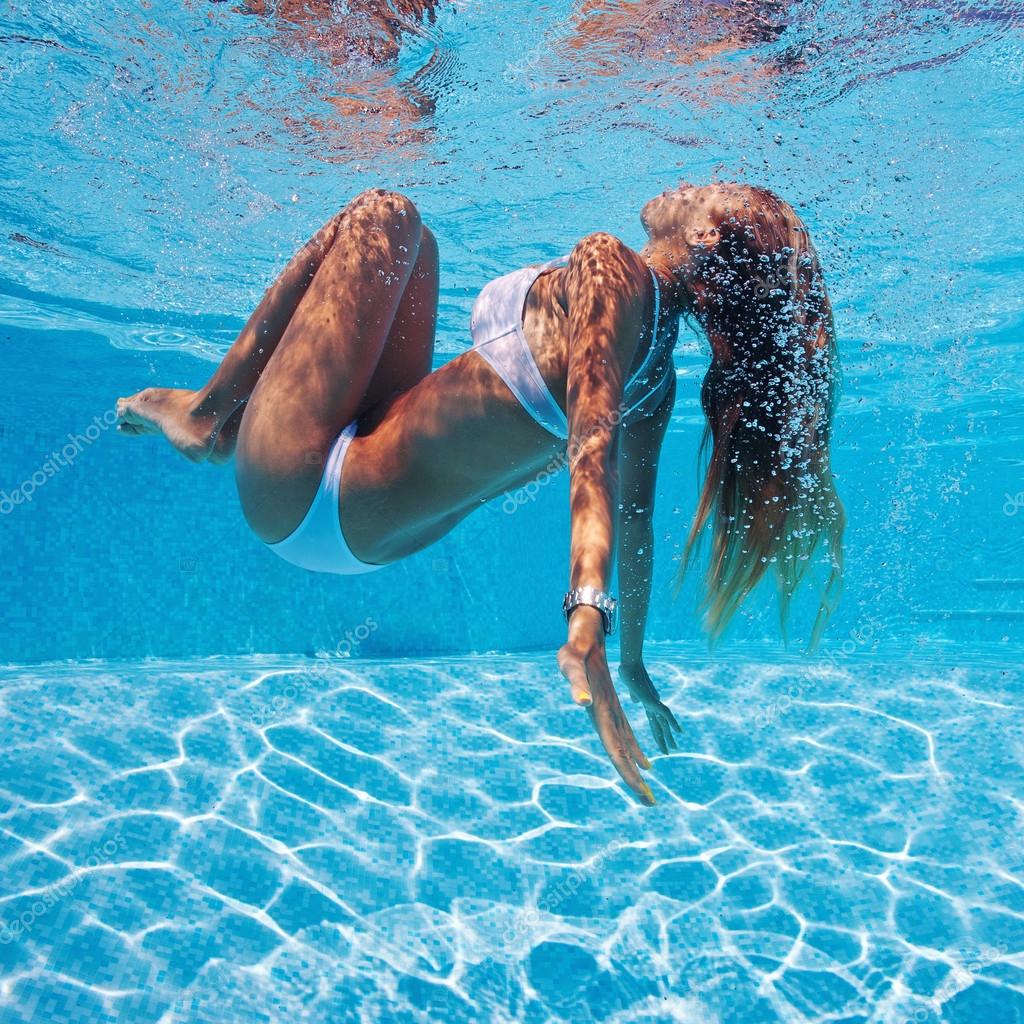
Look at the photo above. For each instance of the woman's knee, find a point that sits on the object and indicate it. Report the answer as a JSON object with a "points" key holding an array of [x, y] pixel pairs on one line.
{"points": [[387, 206], [383, 222]]}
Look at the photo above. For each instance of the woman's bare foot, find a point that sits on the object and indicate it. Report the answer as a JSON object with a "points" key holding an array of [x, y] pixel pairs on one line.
{"points": [[171, 412]]}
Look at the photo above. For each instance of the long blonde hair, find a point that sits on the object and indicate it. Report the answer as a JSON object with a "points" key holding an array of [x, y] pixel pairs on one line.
{"points": [[768, 493]]}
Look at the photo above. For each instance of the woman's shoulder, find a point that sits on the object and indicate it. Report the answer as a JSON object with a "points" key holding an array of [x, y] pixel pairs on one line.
{"points": [[604, 253]]}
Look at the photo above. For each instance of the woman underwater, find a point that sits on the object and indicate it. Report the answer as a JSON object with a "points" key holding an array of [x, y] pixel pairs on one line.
{"points": [[333, 370]]}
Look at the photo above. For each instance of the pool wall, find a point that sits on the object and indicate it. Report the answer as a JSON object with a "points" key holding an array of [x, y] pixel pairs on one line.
{"points": [[128, 551]]}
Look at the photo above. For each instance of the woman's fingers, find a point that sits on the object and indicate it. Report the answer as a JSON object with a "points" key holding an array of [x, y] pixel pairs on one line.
{"points": [[672, 720], [621, 734], [631, 742], [602, 680], [572, 667], [615, 746], [662, 722], [658, 730], [671, 733], [655, 728], [669, 721], [594, 690]]}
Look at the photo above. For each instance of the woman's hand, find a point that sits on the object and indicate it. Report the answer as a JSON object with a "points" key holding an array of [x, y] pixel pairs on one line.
{"points": [[661, 718], [584, 664]]}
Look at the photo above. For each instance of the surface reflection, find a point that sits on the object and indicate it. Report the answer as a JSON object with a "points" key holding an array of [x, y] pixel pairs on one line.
{"points": [[655, 39], [356, 48]]}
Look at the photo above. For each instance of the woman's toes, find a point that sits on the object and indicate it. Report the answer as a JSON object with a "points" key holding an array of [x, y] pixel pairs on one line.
{"points": [[126, 407], [166, 411]]}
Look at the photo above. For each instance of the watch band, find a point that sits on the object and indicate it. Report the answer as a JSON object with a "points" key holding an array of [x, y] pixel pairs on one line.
{"points": [[595, 598]]}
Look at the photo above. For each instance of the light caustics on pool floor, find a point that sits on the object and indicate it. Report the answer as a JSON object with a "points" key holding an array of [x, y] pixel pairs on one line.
{"points": [[838, 840]]}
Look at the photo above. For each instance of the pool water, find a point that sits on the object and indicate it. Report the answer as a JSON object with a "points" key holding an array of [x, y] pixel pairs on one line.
{"points": [[292, 839], [232, 791]]}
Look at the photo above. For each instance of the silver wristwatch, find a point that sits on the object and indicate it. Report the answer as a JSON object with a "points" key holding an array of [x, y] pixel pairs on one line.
{"points": [[604, 603]]}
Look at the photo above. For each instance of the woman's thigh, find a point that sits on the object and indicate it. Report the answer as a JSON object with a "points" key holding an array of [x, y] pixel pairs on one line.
{"points": [[408, 354], [317, 380]]}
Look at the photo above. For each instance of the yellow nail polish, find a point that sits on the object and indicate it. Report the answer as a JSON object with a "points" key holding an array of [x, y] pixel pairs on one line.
{"points": [[585, 696], [647, 793]]}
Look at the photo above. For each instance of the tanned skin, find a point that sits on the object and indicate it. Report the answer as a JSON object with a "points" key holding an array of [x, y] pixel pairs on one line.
{"points": [[347, 331]]}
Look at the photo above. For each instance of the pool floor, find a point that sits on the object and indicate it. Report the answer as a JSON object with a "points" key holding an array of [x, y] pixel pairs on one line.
{"points": [[262, 840]]}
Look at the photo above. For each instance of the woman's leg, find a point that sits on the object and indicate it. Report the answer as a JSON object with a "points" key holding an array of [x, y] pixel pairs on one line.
{"points": [[193, 420], [408, 353], [318, 379], [349, 322]]}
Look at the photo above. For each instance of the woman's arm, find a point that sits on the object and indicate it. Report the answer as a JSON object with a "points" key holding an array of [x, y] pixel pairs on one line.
{"points": [[605, 306], [641, 451]]}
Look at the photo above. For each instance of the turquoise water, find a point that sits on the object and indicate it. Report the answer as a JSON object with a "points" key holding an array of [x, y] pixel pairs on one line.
{"points": [[234, 791], [263, 839]]}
